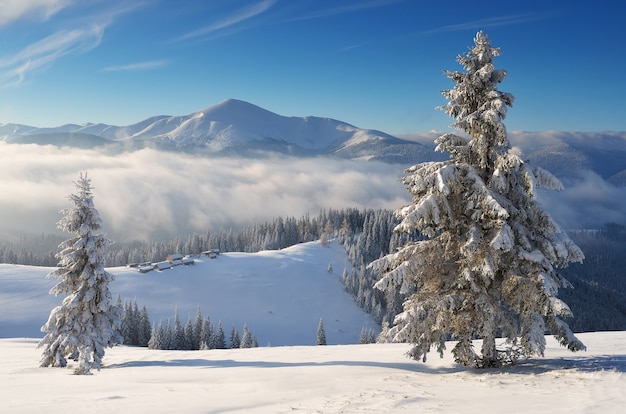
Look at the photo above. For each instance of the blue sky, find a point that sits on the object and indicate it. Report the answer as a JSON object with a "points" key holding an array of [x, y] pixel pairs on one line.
{"points": [[373, 63]]}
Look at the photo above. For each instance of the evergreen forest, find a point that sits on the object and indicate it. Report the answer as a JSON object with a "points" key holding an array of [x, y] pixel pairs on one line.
{"points": [[597, 300]]}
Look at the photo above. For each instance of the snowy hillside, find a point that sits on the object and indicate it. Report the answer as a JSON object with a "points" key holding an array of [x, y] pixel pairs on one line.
{"points": [[280, 295], [231, 127], [376, 378]]}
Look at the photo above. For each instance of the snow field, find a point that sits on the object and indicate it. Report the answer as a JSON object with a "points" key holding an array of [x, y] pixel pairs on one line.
{"points": [[327, 379], [281, 295]]}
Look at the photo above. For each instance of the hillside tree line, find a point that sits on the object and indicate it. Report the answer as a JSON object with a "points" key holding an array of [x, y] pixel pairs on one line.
{"points": [[597, 300]]}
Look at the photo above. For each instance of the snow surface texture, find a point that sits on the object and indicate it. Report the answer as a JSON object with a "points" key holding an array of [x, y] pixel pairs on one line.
{"points": [[281, 295], [376, 378]]}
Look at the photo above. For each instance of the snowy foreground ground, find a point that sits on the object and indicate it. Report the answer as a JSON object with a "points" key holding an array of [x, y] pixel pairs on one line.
{"points": [[281, 295], [375, 378]]}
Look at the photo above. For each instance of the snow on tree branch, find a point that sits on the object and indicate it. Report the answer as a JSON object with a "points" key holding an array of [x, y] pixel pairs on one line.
{"points": [[488, 265], [87, 321]]}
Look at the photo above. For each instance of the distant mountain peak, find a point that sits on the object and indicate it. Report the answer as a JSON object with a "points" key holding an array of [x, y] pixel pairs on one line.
{"points": [[235, 127]]}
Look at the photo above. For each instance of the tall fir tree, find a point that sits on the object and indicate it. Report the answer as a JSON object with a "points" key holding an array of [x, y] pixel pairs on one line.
{"points": [[487, 267], [87, 321]]}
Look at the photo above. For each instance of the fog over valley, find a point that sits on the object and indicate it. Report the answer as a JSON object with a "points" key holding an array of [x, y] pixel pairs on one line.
{"points": [[150, 194]]}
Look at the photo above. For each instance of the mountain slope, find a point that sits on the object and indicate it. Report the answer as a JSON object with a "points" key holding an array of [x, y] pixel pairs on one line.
{"points": [[63, 139], [281, 295]]}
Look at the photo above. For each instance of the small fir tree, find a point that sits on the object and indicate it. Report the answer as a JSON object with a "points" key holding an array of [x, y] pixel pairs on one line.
{"points": [[135, 321], [487, 267], [368, 336], [220, 337], [167, 336], [246, 338], [327, 232], [321, 333], [156, 339], [87, 321], [178, 333], [198, 330], [206, 334], [187, 336], [235, 342], [144, 327]]}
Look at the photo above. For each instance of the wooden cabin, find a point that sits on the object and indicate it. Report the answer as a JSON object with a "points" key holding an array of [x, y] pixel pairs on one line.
{"points": [[162, 265], [211, 254], [174, 257]]}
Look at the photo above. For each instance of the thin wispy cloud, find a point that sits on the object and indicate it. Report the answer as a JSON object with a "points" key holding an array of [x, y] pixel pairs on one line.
{"points": [[230, 21], [138, 66], [497, 21], [13, 10], [343, 9], [14, 68], [321, 13], [84, 34]]}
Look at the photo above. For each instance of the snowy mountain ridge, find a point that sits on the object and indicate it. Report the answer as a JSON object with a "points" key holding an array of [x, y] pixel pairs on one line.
{"points": [[238, 128], [233, 127]]}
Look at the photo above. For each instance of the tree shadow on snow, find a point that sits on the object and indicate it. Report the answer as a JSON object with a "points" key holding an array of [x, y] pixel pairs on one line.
{"points": [[598, 363], [615, 363], [412, 366]]}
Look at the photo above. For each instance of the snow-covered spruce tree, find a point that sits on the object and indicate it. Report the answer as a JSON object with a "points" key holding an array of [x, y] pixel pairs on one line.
{"points": [[145, 329], [220, 338], [87, 321], [321, 333], [487, 267], [156, 340], [235, 341], [198, 335], [246, 338], [207, 336]]}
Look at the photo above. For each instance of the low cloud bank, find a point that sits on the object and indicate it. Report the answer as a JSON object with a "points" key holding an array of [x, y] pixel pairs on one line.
{"points": [[151, 195], [586, 203]]}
